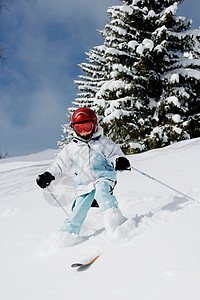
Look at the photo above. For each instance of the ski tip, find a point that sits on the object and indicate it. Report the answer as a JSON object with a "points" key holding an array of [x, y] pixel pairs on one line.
{"points": [[76, 265], [82, 265]]}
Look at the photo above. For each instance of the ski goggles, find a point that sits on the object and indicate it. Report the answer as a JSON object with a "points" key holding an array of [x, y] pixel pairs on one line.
{"points": [[84, 127]]}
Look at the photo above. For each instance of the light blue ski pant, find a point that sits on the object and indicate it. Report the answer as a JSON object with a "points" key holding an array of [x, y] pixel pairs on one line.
{"points": [[103, 195]]}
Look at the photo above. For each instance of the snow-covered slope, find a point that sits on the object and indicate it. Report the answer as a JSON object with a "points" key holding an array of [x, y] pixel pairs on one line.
{"points": [[159, 261]]}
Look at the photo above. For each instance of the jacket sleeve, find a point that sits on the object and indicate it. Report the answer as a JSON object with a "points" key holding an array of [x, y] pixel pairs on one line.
{"points": [[61, 164], [111, 151]]}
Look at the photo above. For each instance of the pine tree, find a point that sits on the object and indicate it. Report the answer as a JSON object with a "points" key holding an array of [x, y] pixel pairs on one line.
{"points": [[126, 113], [6, 155], [88, 85], [146, 89], [153, 95], [177, 113]]}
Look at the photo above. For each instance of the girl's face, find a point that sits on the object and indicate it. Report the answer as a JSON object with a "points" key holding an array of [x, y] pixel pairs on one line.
{"points": [[85, 130]]}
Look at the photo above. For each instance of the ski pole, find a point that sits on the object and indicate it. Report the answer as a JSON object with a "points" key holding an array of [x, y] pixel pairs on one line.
{"points": [[166, 185], [57, 201]]}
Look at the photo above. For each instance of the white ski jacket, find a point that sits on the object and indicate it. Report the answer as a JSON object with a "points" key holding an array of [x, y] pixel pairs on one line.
{"points": [[92, 161]]}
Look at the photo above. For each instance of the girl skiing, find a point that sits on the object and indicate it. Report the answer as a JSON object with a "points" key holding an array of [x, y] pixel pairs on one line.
{"points": [[95, 160]]}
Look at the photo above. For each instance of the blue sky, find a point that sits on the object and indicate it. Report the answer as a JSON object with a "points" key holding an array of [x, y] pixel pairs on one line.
{"points": [[44, 41]]}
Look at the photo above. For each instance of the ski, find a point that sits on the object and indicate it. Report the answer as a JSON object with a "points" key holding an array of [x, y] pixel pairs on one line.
{"points": [[85, 264]]}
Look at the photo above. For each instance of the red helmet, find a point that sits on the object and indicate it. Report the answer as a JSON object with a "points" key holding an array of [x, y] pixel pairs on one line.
{"points": [[84, 115]]}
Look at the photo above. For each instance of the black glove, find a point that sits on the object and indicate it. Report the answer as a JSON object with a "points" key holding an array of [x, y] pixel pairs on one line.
{"points": [[45, 179], [122, 163]]}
